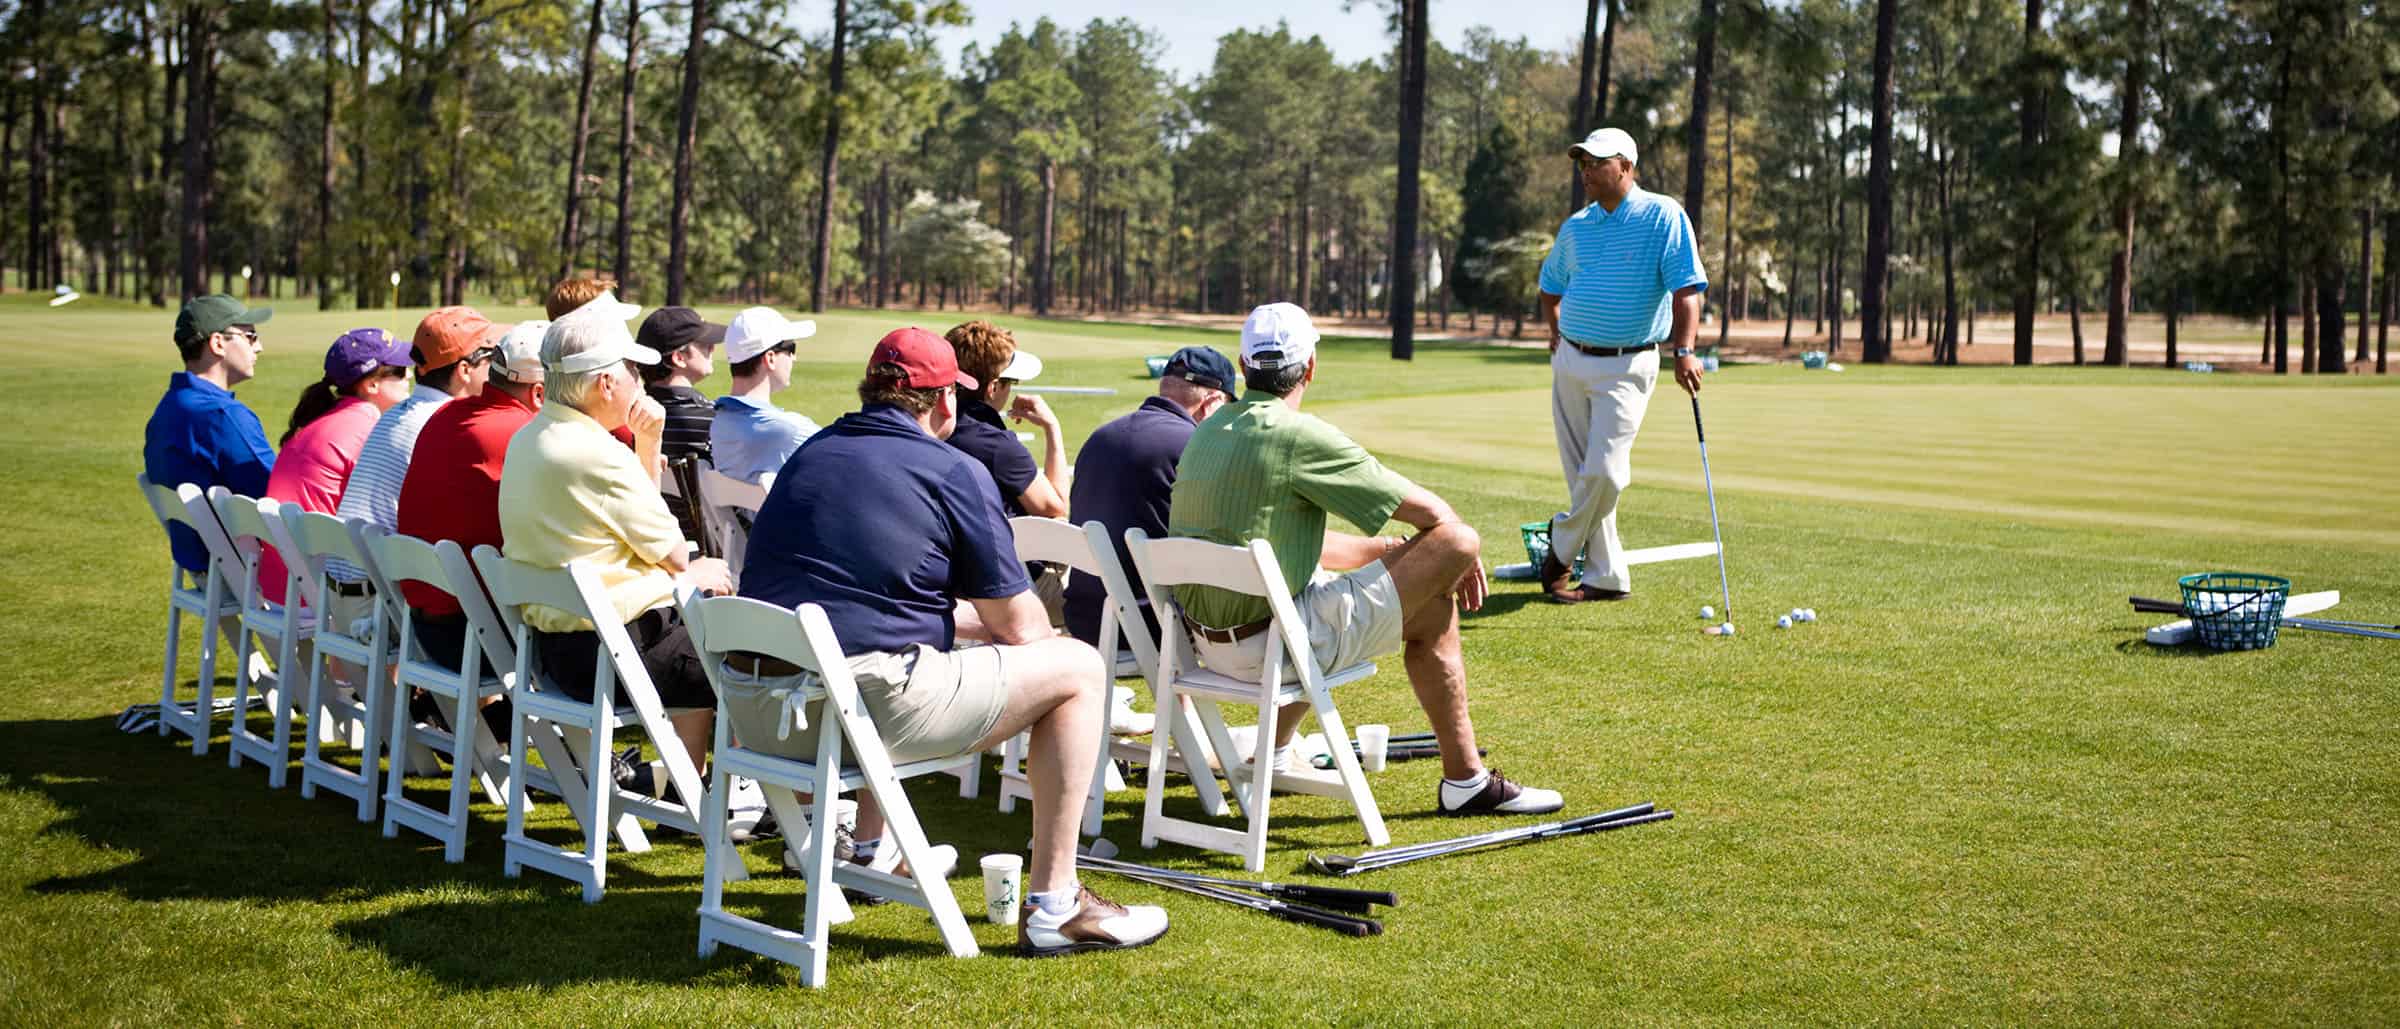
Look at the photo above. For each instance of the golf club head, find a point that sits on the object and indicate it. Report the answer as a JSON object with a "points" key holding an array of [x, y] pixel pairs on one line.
{"points": [[1332, 864]]}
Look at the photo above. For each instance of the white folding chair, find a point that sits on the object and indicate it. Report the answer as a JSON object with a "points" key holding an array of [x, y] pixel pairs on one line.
{"points": [[729, 505], [395, 559], [592, 724], [1167, 563], [366, 647], [1085, 551], [208, 596], [250, 524], [805, 639]]}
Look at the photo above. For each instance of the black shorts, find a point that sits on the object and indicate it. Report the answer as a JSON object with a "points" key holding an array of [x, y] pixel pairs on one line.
{"points": [[441, 638], [569, 659]]}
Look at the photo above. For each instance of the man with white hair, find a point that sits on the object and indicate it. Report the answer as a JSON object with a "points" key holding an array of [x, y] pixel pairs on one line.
{"points": [[1623, 278], [570, 491], [750, 436], [1260, 469]]}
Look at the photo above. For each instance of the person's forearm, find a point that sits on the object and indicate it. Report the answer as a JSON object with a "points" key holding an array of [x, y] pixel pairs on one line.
{"points": [[1687, 319], [1054, 459], [1014, 620], [1344, 552], [1422, 510], [645, 450], [1550, 303]]}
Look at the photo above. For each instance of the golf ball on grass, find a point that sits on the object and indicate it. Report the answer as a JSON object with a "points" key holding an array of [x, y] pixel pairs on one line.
{"points": [[1808, 614], [1707, 611], [1783, 622]]}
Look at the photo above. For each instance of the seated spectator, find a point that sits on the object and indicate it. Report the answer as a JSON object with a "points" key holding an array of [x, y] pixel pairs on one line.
{"points": [[574, 291], [751, 437], [1125, 475], [989, 353], [366, 372], [453, 350], [569, 492], [686, 344], [452, 490], [199, 433], [887, 529], [1260, 469]]}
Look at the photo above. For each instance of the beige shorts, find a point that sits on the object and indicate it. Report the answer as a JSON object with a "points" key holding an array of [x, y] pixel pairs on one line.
{"points": [[926, 703], [1350, 619]]}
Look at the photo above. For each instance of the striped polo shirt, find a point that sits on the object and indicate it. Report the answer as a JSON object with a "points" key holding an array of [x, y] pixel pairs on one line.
{"points": [[1618, 269], [1257, 469], [373, 493]]}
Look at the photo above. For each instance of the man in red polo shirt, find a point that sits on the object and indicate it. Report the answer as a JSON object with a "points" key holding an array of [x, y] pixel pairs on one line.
{"points": [[452, 491]]}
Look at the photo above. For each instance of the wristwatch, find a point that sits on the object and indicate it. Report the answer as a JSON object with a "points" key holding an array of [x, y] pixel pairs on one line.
{"points": [[1683, 351]]}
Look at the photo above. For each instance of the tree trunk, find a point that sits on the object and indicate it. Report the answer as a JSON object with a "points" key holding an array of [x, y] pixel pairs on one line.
{"points": [[883, 235], [1949, 331], [1695, 131], [2332, 287], [2366, 280], [1615, 9], [454, 248], [1725, 307], [1577, 123], [570, 232], [325, 182], [1403, 286], [2129, 160], [821, 261], [2075, 318], [2174, 314], [199, 126], [687, 141], [2391, 290], [2030, 104], [1791, 292], [1874, 316], [1300, 246], [1045, 253], [37, 151], [2308, 326], [624, 234], [1841, 218]]}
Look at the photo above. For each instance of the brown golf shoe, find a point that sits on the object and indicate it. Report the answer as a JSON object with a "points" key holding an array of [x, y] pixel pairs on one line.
{"points": [[1584, 593], [1555, 576]]}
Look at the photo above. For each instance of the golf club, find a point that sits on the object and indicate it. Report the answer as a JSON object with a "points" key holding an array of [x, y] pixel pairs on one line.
{"points": [[1396, 752], [1350, 925], [1723, 584], [2343, 628], [1496, 834], [1333, 897], [1346, 865]]}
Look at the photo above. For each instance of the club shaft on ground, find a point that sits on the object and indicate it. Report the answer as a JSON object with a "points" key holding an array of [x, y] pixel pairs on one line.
{"points": [[1353, 925], [1621, 823], [1509, 833], [1724, 584], [2313, 625], [1328, 895]]}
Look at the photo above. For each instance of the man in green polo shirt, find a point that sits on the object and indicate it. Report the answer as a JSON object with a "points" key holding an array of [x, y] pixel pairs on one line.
{"points": [[1260, 469]]}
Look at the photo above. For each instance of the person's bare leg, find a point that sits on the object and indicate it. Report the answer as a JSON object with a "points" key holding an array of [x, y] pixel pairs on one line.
{"points": [[696, 730], [1426, 570], [1057, 688]]}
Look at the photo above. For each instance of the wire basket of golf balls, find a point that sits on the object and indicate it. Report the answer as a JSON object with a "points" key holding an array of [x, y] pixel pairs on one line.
{"points": [[2235, 610], [1537, 544]]}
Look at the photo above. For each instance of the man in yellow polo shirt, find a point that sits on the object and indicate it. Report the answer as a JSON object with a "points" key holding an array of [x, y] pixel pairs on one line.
{"points": [[1260, 469], [569, 491]]}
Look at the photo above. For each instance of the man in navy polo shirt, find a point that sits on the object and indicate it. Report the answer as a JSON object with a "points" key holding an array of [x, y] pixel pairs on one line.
{"points": [[887, 528], [199, 433], [1125, 474]]}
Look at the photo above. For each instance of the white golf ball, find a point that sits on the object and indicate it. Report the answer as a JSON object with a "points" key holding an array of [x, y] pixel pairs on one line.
{"points": [[1796, 615], [1725, 629], [1808, 614], [1707, 611], [1784, 622]]}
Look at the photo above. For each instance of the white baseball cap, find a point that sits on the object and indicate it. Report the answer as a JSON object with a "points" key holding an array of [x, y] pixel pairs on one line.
{"points": [[521, 353], [594, 336], [1603, 144], [1024, 367], [757, 329], [1278, 334]]}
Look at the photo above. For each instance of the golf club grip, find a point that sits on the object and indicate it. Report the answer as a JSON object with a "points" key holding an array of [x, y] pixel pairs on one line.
{"points": [[1587, 821], [1348, 925], [1334, 896], [1698, 429], [2155, 606]]}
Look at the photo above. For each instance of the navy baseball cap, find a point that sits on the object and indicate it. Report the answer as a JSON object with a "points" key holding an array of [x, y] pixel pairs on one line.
{"points": [[1202, 366]]}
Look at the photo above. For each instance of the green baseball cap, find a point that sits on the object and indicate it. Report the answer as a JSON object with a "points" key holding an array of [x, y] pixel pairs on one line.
{"points": [[215, 313]]}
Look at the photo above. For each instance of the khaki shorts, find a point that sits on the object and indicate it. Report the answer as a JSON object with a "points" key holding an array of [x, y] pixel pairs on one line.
{"points": [[1350, 619], [925, 703]]}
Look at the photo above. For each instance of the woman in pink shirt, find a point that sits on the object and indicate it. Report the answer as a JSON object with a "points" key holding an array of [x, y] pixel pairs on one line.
{"points": [[366, 372]]}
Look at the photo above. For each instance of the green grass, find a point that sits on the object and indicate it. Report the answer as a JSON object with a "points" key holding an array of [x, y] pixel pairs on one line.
{"points": [[1969, 794]]}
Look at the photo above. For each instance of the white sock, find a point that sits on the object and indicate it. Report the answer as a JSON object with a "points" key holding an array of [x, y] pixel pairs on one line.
{"points": [[1055, 903], [1460, 791], [863, 851]]}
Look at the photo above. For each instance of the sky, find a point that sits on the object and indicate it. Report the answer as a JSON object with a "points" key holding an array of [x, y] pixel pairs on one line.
{"points": [[1190, 28]]}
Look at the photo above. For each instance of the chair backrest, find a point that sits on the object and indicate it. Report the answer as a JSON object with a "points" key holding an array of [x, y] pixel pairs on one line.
{"points": [[316, 539], [721, 625], [200, 510], [1124, 602], [574, 590], [722, 495], [475, 602], [1052, 539], [172, 506], [1167, 563], [393, 559], [251, 523]]}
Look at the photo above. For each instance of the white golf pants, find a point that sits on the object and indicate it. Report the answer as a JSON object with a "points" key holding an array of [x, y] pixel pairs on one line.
{"points": [[1596, 407]]}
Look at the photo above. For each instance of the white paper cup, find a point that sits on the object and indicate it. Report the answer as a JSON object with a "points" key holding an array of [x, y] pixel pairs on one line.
{"points": [[1374, 745], [1003, 882]]}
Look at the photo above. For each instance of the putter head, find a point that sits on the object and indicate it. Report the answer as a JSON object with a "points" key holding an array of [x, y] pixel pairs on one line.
{"points": [[1332, 864]]}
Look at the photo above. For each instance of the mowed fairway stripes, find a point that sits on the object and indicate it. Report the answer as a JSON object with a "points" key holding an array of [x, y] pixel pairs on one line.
{"points": [[2288, 464]]}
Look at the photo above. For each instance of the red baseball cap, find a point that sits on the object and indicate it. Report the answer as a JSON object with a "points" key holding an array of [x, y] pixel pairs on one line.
{"points": [[927, 359]]}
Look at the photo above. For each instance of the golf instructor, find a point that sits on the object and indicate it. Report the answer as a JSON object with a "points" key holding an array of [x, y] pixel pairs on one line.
{"points": [[1622, 281]]}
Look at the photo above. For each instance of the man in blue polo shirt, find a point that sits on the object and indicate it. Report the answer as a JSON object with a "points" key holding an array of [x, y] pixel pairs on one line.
{"points": [[882, 524], [1125, 474], [1623, 278], [199, 433]]}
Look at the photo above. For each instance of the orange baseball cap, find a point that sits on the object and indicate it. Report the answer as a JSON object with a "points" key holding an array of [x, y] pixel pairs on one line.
{"points": [[451, 333]]}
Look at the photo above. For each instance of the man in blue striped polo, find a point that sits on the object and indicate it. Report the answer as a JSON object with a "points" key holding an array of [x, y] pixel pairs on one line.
{"points": [[1622, 280]]}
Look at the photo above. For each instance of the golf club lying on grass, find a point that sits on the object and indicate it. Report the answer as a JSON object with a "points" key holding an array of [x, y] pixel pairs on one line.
{"points": [[1339, 864], [1724, 585], [1332, 897], [1397, 751], [1346, 924]]}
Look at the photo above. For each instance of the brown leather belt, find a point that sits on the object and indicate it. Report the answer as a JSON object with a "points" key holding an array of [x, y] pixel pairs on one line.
{"points": [[1606, 351], [1233, 635], [760, 665]]}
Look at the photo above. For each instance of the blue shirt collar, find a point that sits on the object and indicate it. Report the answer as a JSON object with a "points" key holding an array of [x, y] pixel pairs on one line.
{"points": [[189, 381], [1157, 403]]}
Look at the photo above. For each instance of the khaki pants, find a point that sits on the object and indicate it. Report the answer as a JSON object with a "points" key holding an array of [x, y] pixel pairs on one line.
{"points": [[1349, 619], [926, 703], [1596, 407]]}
